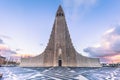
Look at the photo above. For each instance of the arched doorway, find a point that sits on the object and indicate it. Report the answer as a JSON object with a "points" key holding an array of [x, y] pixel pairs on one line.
{"points": [[60, 62]]}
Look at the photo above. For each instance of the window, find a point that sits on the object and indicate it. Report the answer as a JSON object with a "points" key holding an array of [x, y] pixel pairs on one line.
{"points": [[60, 14]]}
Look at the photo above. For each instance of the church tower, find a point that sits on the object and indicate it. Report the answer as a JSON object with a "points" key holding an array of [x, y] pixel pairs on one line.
{"points": [[59, 50], [60, 45]]}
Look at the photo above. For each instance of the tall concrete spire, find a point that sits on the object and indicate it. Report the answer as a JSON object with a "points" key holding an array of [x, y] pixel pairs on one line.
{"points": [[60, 41], [60, 50], [60, 9]]}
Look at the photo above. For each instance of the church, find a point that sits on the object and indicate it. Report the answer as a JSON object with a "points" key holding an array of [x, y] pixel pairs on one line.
{"points": [[60, 50]]}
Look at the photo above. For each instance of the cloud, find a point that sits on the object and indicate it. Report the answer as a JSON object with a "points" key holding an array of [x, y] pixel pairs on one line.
{"points": [[109, 46], [77, 8], [1, 41], [4, 36], [5, 51], [98, 52], [111, 59], [19, 49], [41, 44]]}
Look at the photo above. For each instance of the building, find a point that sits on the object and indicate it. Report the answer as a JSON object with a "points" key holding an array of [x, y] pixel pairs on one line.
{"points": [[2, 60], [60, 50]]}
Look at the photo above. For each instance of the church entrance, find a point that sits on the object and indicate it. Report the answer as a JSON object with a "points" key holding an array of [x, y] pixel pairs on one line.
{"points": [[59, 62]]}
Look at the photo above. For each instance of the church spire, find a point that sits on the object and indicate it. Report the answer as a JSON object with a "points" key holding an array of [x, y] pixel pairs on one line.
{"points": [[60, 11]]}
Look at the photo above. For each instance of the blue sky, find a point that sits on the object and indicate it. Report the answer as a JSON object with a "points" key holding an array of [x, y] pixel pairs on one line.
{"points": [[25, 25]]}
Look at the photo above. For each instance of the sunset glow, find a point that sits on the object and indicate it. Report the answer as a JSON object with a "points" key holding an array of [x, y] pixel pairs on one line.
{"points": [[113, 59]]}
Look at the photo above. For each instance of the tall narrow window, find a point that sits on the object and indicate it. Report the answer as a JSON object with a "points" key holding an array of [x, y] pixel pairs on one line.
{"points": [[60, 51]]}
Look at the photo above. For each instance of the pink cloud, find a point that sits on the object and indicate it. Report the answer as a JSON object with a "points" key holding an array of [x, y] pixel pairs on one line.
{"points": [[109, 45]]}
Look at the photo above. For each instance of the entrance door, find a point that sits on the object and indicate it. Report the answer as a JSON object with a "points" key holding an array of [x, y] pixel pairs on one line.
{"points": [[59, 62]]}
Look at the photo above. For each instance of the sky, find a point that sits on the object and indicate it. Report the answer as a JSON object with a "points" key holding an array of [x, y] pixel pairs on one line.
{"points": [[94, 26]]}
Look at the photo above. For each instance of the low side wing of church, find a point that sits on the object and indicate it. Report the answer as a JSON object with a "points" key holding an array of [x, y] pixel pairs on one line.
{"points": [[60, 50]]}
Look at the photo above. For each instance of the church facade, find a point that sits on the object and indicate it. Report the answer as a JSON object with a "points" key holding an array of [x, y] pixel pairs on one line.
{"points": [[60, 50]]}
